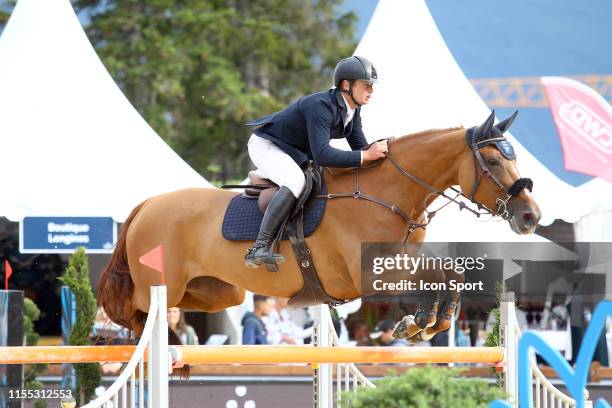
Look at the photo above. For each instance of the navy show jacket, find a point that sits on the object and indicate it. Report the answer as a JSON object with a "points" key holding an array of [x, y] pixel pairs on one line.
{"points": [[304, 129]]}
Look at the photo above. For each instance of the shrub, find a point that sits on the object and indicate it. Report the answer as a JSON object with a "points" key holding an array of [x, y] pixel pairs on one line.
{"points": [[425, 387]]}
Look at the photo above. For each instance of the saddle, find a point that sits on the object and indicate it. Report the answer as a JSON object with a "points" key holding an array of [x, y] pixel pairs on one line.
{"points": [[309, 203]]}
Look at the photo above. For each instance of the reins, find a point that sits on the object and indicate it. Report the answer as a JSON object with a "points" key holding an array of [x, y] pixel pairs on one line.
{"points": [[412, 225]]}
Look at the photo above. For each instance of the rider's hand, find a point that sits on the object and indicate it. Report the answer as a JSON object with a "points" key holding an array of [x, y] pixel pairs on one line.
{"points": [[376, 151]]}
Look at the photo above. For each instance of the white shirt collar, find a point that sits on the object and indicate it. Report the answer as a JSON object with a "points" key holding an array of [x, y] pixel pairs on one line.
{"points": [[349, 111]]}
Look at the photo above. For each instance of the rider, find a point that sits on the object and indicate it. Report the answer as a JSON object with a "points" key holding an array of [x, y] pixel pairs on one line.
{"points": [[284, 141]]}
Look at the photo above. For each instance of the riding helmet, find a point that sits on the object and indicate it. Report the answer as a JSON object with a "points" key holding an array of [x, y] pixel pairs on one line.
{"points": [[355, 67]]}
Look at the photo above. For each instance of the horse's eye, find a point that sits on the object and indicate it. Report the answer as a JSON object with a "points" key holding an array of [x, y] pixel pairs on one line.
{"points": [[493, 161]]}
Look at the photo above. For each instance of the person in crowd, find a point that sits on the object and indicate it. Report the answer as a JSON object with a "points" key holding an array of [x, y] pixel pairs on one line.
{"points": [[280, 327], [104, 332], [361, 334], [185, 332], [254, 330], [461, 338]]}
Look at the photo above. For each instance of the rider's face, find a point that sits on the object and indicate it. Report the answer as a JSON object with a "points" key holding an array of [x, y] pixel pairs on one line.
{"points": [[362, 91]]}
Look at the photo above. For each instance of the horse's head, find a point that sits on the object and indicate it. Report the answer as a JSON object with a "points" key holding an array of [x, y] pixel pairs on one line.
{"points": [[489, 177]]}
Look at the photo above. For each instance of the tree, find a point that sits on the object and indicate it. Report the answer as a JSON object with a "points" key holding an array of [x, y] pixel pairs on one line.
{"points": [[76, 277], [6, 7], [199, 70]]}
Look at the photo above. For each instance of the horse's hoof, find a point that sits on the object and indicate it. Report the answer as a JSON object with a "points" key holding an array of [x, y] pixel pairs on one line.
{"points": [[427, 334], [399, 331], [406, 328], [443, 325], [425, 319]]}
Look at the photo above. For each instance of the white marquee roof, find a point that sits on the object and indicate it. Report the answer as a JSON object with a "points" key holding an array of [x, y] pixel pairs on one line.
{"points": [[71, 142]]}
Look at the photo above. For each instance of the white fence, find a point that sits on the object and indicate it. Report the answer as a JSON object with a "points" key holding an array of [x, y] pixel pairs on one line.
{"points": [[154, 340], [330, 380]]}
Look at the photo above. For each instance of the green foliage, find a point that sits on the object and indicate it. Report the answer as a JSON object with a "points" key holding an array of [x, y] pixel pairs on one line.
{"points": [[31, 313], [6, 6], [76, 277], [493, 338], [425, 387], [199, 70]]}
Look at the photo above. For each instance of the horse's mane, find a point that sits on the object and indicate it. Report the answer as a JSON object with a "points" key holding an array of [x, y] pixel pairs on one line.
{"points": [[429, 132], [409, 137]]}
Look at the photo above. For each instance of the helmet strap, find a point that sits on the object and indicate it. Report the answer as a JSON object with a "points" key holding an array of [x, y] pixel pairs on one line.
{"points": [[350, 92]]}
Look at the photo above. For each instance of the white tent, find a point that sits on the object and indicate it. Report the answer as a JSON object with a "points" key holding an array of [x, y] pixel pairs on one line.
{"points": [[422, 88], [71, 143]]}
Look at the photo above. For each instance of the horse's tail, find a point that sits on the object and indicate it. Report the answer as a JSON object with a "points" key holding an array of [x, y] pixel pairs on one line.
{"points": [[115, 286]]}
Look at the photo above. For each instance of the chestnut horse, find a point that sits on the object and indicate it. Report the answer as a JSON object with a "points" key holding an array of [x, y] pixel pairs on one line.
{"points": [[206, 272]]}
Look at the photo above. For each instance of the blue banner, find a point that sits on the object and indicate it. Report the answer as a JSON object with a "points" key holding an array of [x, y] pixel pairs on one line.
{"points": [[64, 234]]}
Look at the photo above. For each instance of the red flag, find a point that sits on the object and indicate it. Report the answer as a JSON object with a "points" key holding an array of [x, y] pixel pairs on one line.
{"points": [[584, 123], [8, 271], [155, 259]]}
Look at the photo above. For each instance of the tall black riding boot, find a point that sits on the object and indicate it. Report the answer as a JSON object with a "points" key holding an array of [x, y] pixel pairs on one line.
{"points": [[278, 209]]}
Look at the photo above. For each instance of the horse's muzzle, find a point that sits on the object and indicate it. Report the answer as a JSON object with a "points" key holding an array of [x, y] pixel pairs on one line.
{"points": [[525, 217]]}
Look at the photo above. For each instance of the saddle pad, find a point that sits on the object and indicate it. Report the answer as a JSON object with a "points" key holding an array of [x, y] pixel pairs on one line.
{"points": [[243, 218]]}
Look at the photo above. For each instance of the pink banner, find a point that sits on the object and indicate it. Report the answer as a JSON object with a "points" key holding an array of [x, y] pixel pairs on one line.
{"points": [[584, 122]]}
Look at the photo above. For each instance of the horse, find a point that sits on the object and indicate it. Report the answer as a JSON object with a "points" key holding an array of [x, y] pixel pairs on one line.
{"points": [[205, 272]]}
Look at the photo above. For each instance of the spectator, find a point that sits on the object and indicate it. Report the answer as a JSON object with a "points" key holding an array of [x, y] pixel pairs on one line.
{"points": [[383, 332], [104, 331], [185, 332], [461, 339], [280, 328], [254, 331], [361, 334]]}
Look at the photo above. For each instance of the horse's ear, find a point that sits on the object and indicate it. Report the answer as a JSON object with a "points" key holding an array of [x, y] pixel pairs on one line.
{"points": [[486, 127], [505, 124]]}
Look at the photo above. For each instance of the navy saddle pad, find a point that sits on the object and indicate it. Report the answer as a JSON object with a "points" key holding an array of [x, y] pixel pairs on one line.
{"points": [[243, 218]]}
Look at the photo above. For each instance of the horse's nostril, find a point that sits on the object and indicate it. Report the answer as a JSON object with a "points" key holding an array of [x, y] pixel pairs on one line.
{"points": [[528, 217]]}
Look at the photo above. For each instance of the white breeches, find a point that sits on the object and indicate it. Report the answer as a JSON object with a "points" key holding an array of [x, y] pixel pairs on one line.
{"points": [[278, 166]]}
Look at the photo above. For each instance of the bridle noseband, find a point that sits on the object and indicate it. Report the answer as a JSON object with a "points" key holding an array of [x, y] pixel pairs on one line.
{"points": [[502, 209]]}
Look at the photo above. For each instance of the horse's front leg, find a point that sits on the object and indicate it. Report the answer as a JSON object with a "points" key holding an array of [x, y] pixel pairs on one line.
{"points": [[427, 309], [447, 308], [424, 317]]}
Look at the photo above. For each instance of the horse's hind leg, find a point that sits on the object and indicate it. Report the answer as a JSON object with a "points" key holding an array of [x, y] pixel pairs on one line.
{"points": [[210, 294]]}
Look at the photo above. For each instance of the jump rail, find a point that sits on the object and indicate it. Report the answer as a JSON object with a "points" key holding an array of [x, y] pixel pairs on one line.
{"points": [[257, 355]]}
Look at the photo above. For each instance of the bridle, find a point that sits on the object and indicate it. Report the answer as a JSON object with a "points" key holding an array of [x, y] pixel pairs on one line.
{"points": [[502, 210]]}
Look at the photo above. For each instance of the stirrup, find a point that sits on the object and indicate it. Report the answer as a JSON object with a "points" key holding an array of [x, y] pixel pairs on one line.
{"points": [[251, 261]]}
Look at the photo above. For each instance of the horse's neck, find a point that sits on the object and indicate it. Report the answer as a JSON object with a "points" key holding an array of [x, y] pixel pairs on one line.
{"points": [[432, 156]]}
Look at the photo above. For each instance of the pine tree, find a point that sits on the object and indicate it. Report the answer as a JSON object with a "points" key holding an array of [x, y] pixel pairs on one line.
{"points": [[76, 277]]}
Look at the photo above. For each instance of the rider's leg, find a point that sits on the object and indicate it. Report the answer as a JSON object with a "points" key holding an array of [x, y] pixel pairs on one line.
{"points": [[279, 167]]}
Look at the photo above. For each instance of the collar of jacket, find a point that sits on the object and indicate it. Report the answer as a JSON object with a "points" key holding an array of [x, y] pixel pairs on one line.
{"points": [[341, 105]]}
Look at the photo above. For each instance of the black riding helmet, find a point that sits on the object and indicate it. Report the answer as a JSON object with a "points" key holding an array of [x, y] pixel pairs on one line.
{"points": [[352, 69]]}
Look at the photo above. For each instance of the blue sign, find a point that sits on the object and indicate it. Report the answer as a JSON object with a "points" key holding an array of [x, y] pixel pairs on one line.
{"points": [[62, 235], [574, 378]]}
